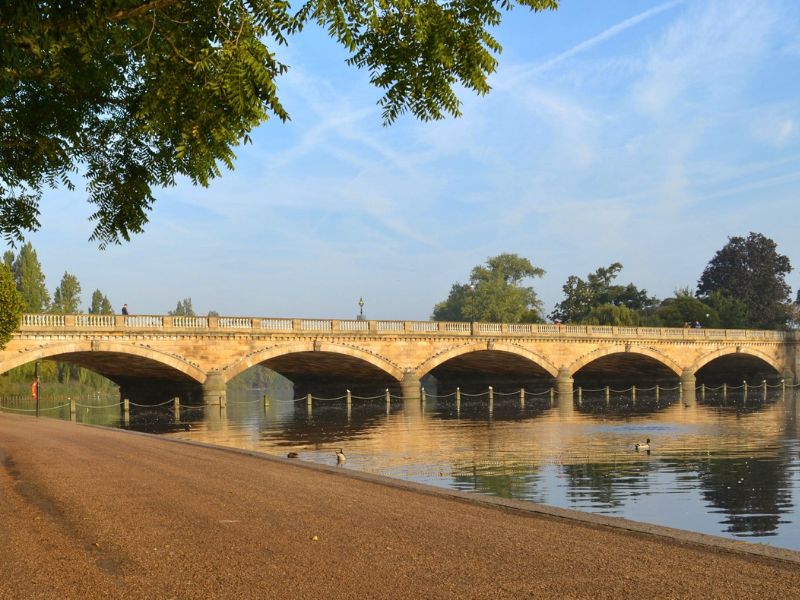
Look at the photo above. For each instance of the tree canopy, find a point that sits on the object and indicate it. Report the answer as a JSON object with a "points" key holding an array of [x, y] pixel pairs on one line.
{"points": [[581, 297], [29, 278], [135, 93], [67, 296], [684, 308], [183, 308], [11, 303], [494, 293], [752, 271], [100, 305]]}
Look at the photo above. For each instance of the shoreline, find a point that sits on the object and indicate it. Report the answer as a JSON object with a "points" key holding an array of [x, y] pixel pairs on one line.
{"points": [[114, 509]]}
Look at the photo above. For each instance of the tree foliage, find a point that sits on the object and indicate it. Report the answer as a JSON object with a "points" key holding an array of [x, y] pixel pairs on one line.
{"points": [[139, 93], [582, 297], [751, 270], [183, 308], [67, 296], [494, 294], [611, 314], [11, 305], [684, 308], [30, 279], [101, 305]]}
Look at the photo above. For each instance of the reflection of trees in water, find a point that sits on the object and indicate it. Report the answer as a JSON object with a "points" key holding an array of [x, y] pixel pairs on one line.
{"points": [[329, 423], [513, 480], [752, 492], [604, 484]]}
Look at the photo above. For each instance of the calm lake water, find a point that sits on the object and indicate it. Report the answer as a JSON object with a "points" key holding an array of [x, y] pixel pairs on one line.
{"points": [[725, 467]]}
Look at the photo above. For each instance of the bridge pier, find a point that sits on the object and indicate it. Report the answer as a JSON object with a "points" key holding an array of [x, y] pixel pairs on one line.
{"points": [[215, 389], [688, 384], [410, 386], [564, 390]]}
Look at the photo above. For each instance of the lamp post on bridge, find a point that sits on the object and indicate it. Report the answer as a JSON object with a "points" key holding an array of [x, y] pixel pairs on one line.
{"points": [[472, 302], [360, 309]]}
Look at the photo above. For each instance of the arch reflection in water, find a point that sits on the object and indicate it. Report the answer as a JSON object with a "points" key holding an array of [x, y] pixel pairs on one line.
{"points": [[721, 468]]}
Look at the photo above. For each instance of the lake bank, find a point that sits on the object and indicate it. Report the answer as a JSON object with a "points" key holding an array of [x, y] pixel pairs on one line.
{"points": [[89, 511]]}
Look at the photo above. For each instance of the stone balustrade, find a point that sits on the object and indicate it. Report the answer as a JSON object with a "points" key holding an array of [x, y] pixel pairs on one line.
{"points": [[117, 323]]}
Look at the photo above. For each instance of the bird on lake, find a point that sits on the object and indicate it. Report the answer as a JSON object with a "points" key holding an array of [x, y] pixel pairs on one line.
{"points": [[643, 446], [292, 455], [340, 457]]}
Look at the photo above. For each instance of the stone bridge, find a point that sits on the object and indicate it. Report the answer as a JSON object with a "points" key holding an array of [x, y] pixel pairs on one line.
{"points": [[156, 357]]}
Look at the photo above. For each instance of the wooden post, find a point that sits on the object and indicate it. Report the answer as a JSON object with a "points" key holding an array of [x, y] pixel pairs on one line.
{"points": [[422, 395], [657, 393], [552, 396], [310, 399], [633, 395], [764, 386], [126, 412], [744, 392], [702, 391], [177, 409], [458, 399], [349, 399], [388, 397], [580, 396], [266, 404], [491, 398], [73, 410], [608, 396], [724, 392], [522, 398]]}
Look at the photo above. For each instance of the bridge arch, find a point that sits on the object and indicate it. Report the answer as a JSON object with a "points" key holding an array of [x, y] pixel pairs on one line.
{"points": [[239, 366], [442, 357], [97, 347], [738, 351], [631, 349]]}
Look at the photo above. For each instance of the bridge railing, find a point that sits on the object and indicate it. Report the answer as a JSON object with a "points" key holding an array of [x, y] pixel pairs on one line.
{"points": [[122, 323]]}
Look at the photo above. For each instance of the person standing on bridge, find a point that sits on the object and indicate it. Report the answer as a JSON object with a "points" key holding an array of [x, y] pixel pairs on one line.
{"points": [[124, 309]]}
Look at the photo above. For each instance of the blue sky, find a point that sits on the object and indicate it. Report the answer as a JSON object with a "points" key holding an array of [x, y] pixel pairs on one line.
{"points": [[638, 132]]}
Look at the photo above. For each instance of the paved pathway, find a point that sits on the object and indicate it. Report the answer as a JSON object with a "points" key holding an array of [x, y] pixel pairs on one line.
{"points": [[88, 512]]}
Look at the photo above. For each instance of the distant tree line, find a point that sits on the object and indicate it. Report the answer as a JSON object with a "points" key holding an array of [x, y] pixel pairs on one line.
{"points": [[23, 290], [743, 286], [24, 271]]}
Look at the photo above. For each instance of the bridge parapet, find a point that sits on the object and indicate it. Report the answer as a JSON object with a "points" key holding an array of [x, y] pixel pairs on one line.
{"points": [[127, 323]]}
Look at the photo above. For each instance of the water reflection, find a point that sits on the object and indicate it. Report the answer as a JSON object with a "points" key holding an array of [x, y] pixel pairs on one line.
{"points": [[726, 466]]}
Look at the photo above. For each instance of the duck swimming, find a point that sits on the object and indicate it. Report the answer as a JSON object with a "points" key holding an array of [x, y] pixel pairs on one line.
{"points": [[643, 446], [340, 457]]}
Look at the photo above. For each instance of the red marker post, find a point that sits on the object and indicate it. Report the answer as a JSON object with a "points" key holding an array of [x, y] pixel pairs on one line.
{"points": [[35, 389]]}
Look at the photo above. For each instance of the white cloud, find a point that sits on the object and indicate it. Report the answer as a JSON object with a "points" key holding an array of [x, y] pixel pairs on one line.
{"points": [[705, 56]]}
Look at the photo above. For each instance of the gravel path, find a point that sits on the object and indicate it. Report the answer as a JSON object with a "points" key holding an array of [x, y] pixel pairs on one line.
{"points": [[87, 512]]}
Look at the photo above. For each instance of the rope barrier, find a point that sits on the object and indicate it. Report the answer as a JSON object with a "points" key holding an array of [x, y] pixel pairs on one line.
{"points": [[79, 405], [151, 405], [464, 394], [234, 402]]}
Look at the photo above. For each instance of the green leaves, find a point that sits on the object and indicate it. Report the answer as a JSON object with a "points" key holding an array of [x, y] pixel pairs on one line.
{"points": [[67, 297], [11, 305], [582, 298], [141, 93], [751, 271], [494, 294]]}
